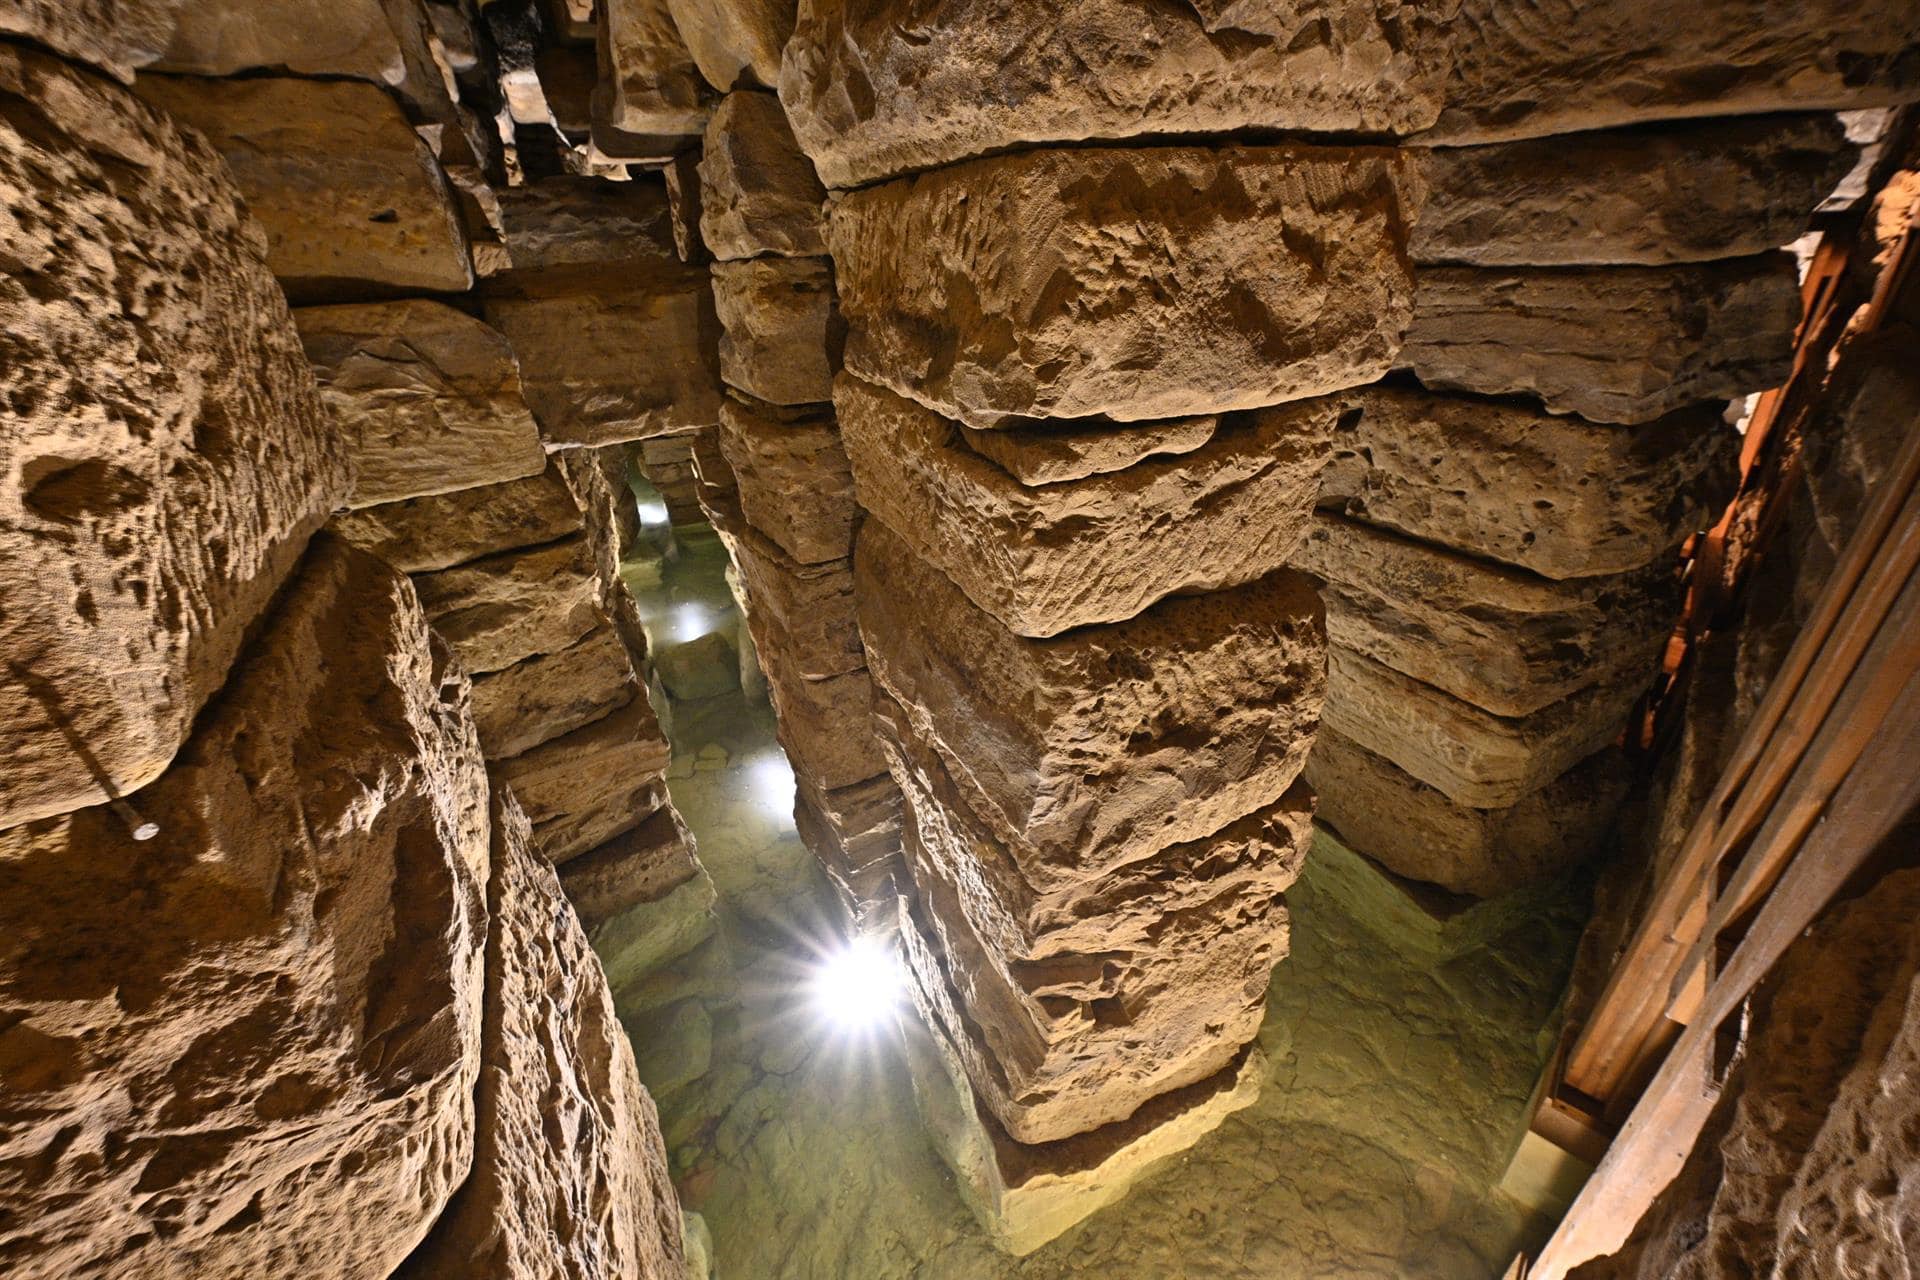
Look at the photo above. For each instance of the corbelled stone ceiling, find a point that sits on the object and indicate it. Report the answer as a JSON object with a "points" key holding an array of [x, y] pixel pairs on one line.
{"points": [[959, 639]]}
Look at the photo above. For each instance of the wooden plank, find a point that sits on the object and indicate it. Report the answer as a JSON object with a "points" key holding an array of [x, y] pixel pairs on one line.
{"points": [[1877, 796], [1628, 1015]]}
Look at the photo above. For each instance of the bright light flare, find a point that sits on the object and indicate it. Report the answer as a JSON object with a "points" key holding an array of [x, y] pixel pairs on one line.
{"points": [[653, 514], [857, 989], [689, 622], [771, 779]]}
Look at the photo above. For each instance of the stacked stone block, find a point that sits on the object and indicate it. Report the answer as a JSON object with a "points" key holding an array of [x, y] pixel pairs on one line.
{"points": [[775, 481], [1471, 382], [257, 899]]}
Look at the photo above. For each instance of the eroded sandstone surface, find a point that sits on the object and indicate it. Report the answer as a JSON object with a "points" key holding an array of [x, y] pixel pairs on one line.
{"points": [[166, 453], [280, 1061]]}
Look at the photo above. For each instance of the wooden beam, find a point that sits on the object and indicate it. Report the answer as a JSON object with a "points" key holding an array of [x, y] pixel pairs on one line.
{"points": [[1882, 790]]}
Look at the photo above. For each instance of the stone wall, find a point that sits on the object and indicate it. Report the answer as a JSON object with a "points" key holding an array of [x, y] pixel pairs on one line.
{"points": [[283, 986]]}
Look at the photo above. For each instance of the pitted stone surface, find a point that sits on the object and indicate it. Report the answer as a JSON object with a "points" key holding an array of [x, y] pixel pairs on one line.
{"points": [[1473, 757], [453, 528], [1100, 549], [803, 612], [1415, 831], [875, 90], [349, 194], [1556, 495], [1138, 283], [758, 191], [567, 222], [1672, 193], [428, 396], [1501, 639], [781, 339], [795, 483], [165, 456], [279, 1061], [1612, 344], [635, 867], [115, 36], [569, 1171], [1103, 745]]}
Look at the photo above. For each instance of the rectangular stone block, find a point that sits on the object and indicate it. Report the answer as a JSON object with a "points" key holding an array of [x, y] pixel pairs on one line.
{"points": [[512, 606], [1414, 830], [423, 534], [607, 357], [1612, 344], [530, 702], [351, 198], [165, 456], [875, 91], [1473, 757], [1139, 283], [574, 221], [782, 336], [1671, 193], [648, 83], [803, 612], [854, 834], [1553, 494], [1503, 640], [796, 485], [1100, 549], [825, 726], [584, 788], [1025, 1195], [638, 866], [1046, 1078], [1104, 745], [758, 191], [428, 396]]}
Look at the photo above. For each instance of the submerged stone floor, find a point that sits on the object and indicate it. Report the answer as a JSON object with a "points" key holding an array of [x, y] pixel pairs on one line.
{"points": [[1400, 1064]]}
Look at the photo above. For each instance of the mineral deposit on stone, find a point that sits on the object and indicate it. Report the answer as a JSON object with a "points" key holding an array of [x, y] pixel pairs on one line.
{"points": [[876, 90], [1100, 746], [452, 528], [648, 80], [530, 702], [166, 456], [1138, 283], [586, 787], [349, 194], [569, 1170], [428, 398], [1612, 344], [1553, 494], [607, 356], [1100, 549], [758, 193], [795, 483], [1473, 757], [504, 608], [1680, 193], [1499, 638], [1415, 831], [781, 339], [278, 1063]]}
